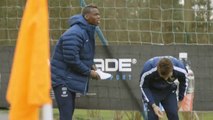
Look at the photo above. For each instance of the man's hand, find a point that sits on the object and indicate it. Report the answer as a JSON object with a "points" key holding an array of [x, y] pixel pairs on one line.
{"points": [[94, 67], [179, 104], [94, 75], [157, 111]]}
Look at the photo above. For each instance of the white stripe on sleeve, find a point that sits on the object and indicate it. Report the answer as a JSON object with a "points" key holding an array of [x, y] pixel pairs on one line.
{"points": [[142, 81]]}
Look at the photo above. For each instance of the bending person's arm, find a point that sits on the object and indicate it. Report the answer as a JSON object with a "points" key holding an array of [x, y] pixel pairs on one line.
{"points": [[144, 83]]}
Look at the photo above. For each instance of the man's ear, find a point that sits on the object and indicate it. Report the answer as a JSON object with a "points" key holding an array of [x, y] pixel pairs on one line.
{"points": [[86, 17]]}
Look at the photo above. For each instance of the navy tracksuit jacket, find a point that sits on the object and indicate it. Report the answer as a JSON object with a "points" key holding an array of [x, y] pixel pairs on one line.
{"points": [[155, 89]]}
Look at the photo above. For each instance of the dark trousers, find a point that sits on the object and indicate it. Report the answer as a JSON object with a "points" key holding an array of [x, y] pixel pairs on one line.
{"points": [[169, 104], [65, 101]]}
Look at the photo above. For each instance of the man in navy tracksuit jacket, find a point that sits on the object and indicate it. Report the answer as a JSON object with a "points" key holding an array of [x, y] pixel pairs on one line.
{"points": [[72, 60], [157, 86]]}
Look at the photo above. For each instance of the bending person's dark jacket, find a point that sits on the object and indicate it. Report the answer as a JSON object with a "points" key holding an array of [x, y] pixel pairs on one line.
{"points": [[151, 83], [73, 56]]}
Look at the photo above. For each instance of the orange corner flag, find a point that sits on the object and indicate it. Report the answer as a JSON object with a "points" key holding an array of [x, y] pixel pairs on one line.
{"points": [[29, 85]]}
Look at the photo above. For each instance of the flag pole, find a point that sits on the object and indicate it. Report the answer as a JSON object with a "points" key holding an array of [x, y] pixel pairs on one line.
{"points": [[47, 112]]}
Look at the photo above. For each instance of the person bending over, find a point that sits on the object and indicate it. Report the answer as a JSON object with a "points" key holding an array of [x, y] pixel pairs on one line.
{"points": [[157, 86]]}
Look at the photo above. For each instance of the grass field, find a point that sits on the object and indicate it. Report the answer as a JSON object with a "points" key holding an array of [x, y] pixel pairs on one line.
{"points": [[83, 114]]}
